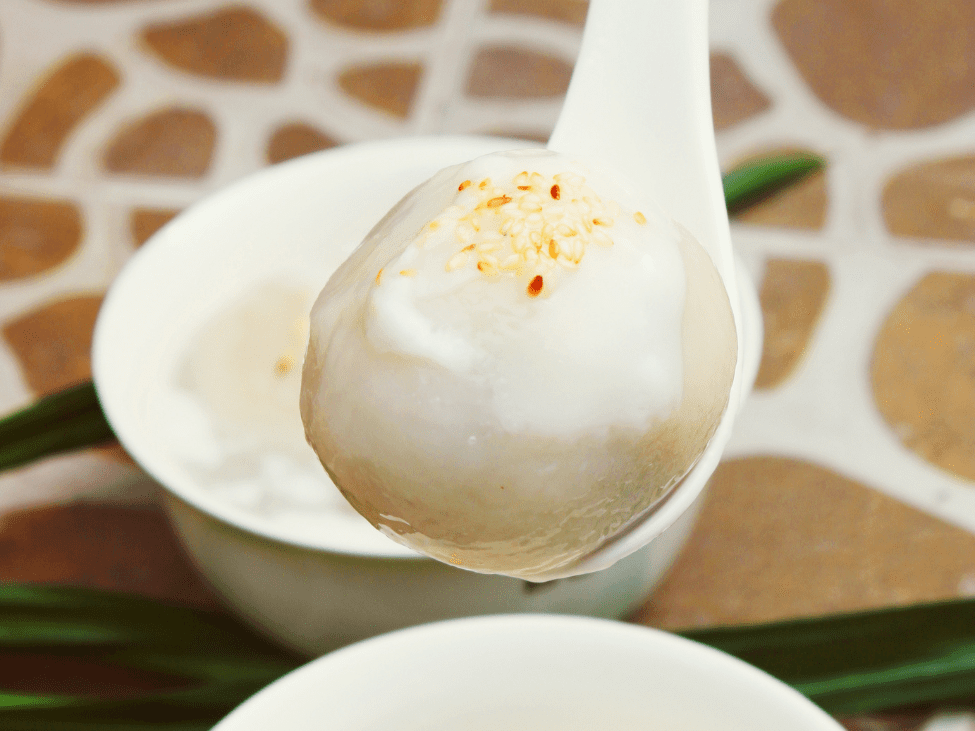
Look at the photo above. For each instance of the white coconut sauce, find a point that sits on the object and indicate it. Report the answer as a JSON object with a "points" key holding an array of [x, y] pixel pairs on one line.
{"points": [[234, 397]]}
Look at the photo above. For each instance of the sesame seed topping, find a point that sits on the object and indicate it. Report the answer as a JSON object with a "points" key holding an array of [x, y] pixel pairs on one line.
{"points": [[639, 218], [456, 261], [379, 276], [535, 286], [551, 222], [284, 365], [408, 272], [499, 201]]}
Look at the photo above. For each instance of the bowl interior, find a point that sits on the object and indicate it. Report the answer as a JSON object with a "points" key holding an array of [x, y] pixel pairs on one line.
{"points": [[528, 672], [295, 223]]}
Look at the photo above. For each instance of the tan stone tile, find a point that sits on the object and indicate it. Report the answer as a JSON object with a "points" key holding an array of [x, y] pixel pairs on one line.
{"points": [[115, 452], [800, 205], [102, 2], [388, 87], [910, 719], [933, 200], [734, 98], [144, 222], [106, 547], [45, 120], [922, 371], [53, 343], [172, 142], [36, 235], [792, 295], [378, 15], [566, 11], [233, 44], [296, 139], [780, 538], [895, 64], [517, 73]]}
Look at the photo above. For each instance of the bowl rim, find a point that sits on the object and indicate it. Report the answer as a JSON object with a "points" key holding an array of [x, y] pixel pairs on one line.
{"points": [[603, 635]]}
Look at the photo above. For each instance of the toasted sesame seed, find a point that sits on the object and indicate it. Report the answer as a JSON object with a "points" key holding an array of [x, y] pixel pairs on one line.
{"points": [[535, 286], [555, 192], [456, 261], [465, 184], [639, 218], [484, 183], [465, 232], [379, 276], [488, 245], [498, 201], [408, 272], [284, 365]]}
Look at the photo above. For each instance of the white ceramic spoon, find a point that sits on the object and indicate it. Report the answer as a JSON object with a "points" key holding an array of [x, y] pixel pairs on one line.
{"points": [[640, 103]]}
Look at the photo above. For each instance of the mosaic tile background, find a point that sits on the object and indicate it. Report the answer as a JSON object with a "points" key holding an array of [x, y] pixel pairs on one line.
{"points": [[849, 481]]}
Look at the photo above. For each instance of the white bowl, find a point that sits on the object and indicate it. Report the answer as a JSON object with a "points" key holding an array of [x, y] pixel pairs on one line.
{"points": [[312, 591], [543, 673]]}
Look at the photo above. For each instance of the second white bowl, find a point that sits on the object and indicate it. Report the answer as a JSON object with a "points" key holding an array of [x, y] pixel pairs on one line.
{"points": [[543, 673]]}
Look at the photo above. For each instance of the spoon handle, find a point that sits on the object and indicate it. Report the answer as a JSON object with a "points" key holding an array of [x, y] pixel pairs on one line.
{"points": [[640, 102], [640, 105]]}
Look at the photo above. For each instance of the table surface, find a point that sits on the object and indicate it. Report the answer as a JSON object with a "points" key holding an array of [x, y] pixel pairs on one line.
{"points": [[849, 481]]}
